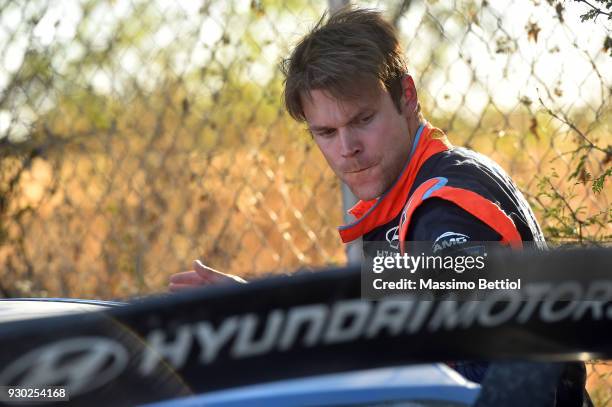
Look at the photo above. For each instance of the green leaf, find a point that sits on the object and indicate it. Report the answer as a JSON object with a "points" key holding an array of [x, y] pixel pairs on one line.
{"points": [[598, 183]]}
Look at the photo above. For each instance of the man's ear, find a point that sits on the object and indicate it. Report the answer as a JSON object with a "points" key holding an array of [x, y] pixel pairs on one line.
{"points": [[409, 96]]}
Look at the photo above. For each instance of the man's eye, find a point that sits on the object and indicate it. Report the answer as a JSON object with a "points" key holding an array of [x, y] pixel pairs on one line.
{"points": [[326, 133], [367, 119]]}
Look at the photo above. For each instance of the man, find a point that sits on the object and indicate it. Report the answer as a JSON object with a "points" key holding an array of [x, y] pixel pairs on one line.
{"points": [[347, 79]]}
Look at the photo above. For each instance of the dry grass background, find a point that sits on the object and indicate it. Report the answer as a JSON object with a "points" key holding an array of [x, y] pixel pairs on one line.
{"points": [[110, 189]]}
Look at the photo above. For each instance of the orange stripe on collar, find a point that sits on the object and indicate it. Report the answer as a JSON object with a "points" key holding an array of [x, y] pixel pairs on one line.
{"points": [[476, 205], [361, 208], [376, 212]]}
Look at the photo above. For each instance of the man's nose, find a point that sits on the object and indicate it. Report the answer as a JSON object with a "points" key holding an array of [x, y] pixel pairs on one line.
{"points": [[350, 143]]}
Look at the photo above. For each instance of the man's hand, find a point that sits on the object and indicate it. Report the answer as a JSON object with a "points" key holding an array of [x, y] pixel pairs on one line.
{"points": [[201, 275]]}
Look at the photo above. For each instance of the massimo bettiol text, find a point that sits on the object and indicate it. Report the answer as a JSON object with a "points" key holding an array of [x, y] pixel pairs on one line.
{"points": [[460, 271], [404, 263]]}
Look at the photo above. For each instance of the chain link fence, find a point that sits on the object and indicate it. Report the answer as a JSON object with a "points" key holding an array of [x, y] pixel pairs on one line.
{"points": [[136, 136]]}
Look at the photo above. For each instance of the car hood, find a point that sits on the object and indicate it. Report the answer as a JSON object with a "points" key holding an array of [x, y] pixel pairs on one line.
{"points": [[18, 309]]}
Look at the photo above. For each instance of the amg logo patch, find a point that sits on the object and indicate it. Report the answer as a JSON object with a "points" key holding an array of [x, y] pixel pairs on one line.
{"points": [[393, 237], [449, 239]]}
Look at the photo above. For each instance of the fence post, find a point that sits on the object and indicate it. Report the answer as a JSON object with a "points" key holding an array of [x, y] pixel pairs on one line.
{"points": [[353, 249]]}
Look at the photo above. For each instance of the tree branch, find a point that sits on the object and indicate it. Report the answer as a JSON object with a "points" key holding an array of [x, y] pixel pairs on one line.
{"points": [[596, 9], [566, 121]]}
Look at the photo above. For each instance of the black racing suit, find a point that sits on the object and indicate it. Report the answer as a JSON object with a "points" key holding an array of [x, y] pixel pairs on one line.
{"points": [[449, 193]]}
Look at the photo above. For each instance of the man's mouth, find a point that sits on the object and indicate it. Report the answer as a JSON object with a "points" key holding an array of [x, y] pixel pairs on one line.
{"points": [[359, 170]]}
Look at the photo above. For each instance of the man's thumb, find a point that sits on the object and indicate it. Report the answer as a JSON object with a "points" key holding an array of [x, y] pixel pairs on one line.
{"points": [[210, 272]]}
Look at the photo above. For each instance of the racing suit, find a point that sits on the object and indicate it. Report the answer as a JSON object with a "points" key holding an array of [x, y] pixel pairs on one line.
{"points": [[449, 196]]}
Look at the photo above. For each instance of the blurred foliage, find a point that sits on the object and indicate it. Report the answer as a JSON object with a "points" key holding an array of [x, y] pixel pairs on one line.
{"points": [[596, 8], [137, 136]]}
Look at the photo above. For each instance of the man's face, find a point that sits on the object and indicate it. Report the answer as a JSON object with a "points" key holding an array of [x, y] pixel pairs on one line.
{"points": [[365, 141]]}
